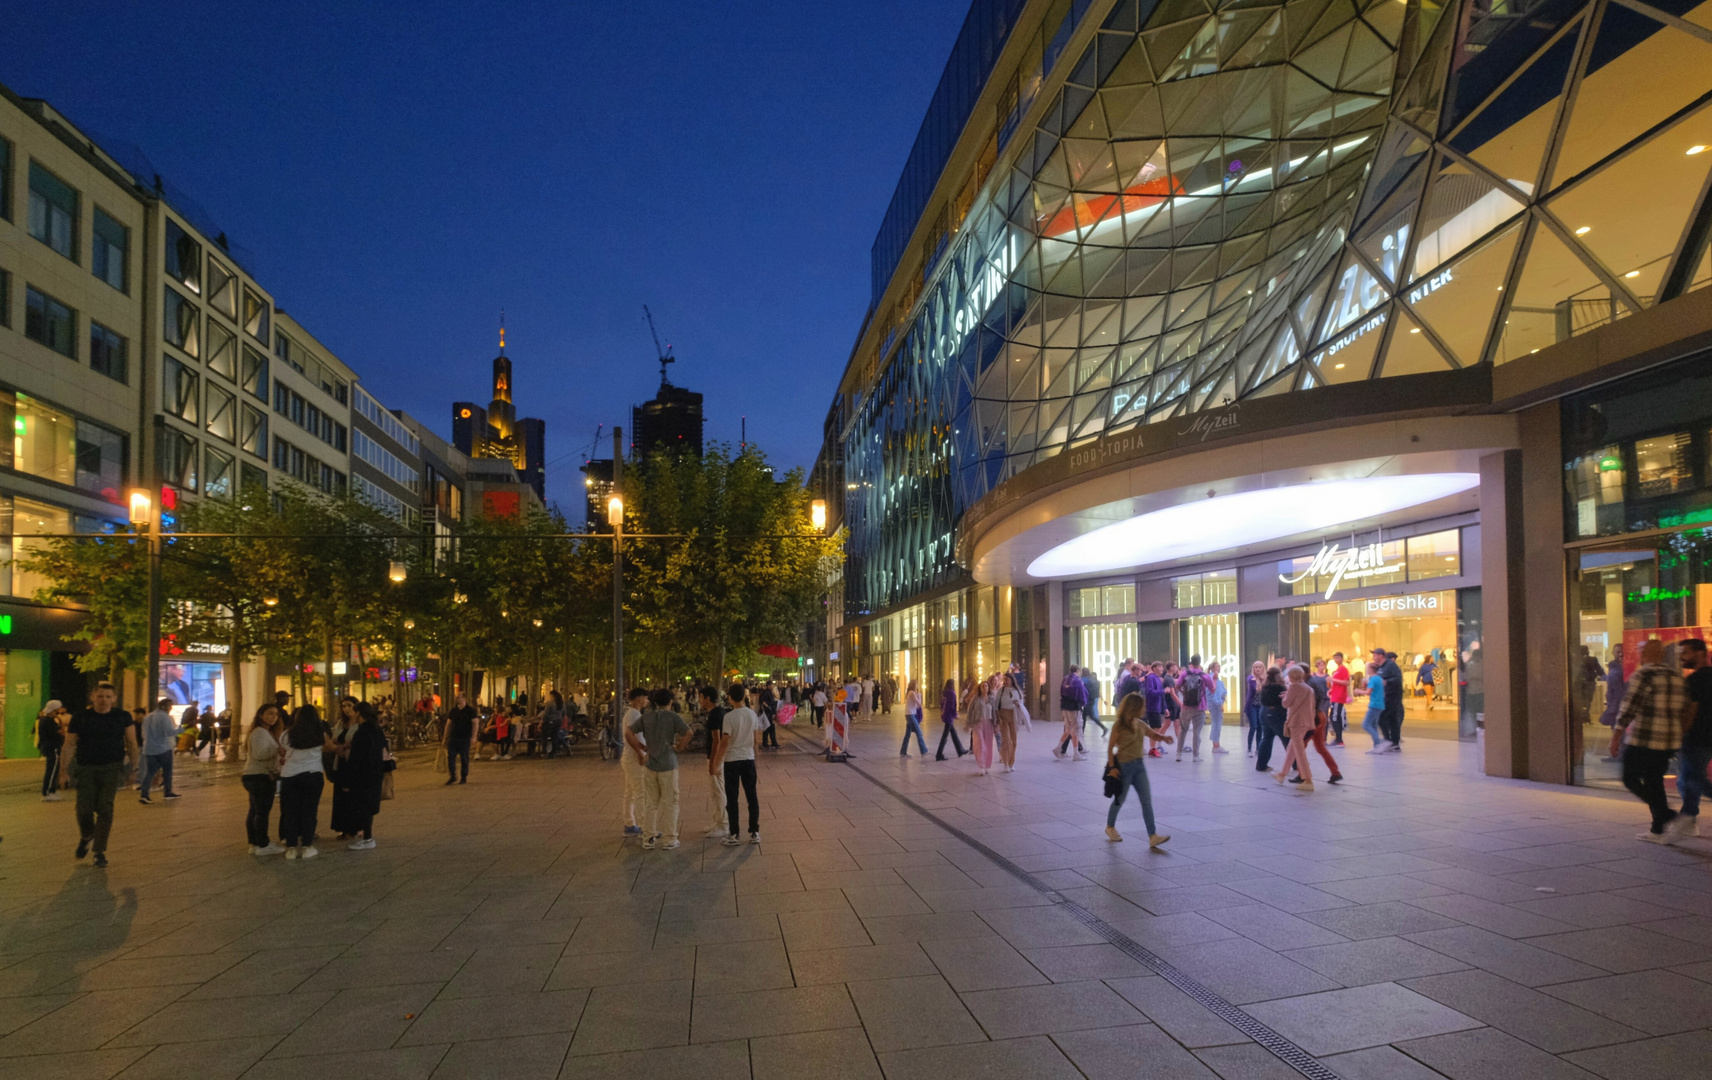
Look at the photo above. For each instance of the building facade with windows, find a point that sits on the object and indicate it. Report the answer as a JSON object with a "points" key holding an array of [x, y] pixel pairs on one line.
{"points": [[71, 320], [1278, 329]]}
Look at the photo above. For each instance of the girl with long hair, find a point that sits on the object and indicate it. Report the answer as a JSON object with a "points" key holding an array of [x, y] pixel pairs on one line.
{"points": [[948, 718], [1008, 708], [258, 779], [980, 726], [912, 720], [301, 778], [1251, 704], [1126, 755]]}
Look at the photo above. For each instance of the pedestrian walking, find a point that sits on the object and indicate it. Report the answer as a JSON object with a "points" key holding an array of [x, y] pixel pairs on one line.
{"points": [[302, 776], [100, 753], [1391, 720], [552, 723], [981, 732], [1299, 713], [1655, 706], [715, 725], [459, 740], [738, 741], [261, 773], [1251, 706], [1072, 699], [818, 702], [1338, 686], [1009, 709], [1091, 709], [1153, 692], [1220, 693], [1271, 717], [50, 740], [160, 736], [662, 734], [362, 772], [912, 720], [1375, 709], [1126, 757], [1319, 683], [948, 720], [1697, 739], [768, 714], [631, 768], [1194, 693], [1614, 702]]}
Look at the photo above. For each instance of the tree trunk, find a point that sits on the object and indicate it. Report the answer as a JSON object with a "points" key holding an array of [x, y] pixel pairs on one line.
{"points": [[327, 672], [234, 697]]}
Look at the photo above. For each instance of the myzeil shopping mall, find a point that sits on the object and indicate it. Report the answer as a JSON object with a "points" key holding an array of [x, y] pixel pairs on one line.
{"points": [[1464, 417]]}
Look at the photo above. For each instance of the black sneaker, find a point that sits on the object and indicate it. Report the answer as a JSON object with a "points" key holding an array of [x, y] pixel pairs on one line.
{"points": [[145, 800], [173, 795], [450, 780], [1295, 779], [83, 847], [100, 860]]}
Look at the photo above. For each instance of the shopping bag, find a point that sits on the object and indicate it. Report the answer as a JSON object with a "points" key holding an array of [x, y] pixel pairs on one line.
{"points": [[787, 713], [440, 760], [386, 791]]}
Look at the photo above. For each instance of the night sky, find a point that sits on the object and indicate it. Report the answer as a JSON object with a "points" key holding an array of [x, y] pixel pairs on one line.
{"points": [[402, 172]]}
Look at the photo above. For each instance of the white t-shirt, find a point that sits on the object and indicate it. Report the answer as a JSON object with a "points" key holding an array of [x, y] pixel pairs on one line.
{"points": [[819, 699], [294, 761], [741, 724]]}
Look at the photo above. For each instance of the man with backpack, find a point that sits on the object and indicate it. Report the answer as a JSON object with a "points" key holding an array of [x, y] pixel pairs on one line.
{"points": [[1194, 691], [1072, 699]]}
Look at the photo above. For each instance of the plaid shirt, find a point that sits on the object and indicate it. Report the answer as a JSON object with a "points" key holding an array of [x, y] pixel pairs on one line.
{"points": [[1653, 708]]}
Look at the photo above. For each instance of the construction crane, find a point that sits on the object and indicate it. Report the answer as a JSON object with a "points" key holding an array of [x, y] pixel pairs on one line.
{"points": [[664, 351], [594, 447]]}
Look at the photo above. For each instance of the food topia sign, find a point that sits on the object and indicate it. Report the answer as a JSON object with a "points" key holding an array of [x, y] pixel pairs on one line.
{"points": [[1340, 563]]}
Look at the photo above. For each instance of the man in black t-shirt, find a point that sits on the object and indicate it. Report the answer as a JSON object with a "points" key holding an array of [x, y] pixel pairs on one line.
{"points": [[459, 738], [101, 753], [1697, 738], [715, 711]]}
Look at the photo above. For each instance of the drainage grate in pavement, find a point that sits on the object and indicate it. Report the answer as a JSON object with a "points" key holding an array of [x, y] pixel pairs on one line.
{"points": [[1280, 1047]]}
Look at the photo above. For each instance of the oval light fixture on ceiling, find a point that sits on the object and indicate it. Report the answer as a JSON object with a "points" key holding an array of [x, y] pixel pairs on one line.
{"points": [[1202, 526]]}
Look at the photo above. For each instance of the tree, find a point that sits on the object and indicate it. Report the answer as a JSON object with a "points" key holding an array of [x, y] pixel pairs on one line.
{"points": [[109, 575]]}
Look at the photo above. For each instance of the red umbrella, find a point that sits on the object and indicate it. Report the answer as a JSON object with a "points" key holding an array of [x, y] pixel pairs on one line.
{"points": [[783, 652]]}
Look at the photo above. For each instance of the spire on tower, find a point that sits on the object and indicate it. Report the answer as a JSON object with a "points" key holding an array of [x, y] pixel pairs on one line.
{"points": [[502, 331]]}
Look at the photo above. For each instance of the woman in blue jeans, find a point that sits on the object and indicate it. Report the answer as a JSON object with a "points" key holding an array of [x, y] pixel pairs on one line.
{"points": [[1251, 705], [1126, 754], [912, 716]]}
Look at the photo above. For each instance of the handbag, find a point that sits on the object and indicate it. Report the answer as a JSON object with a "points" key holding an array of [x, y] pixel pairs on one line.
{"points": [[386, 791], [1113, 782]]}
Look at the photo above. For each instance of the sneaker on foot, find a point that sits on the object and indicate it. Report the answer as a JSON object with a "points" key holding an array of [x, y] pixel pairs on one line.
{"points": [[1393, 748], [672, 843], [293, 852], [1058, 752], [1307, 785], [271, 849], [308, 853], [83, 847], [1688, 825], [1112, 835], [1335, 778], [754, 838], [1653, 838], [53, 797], [1156, 839], [145, 800], [715, 834], [100, 860], [1220, 750], [1376, 750], [1296, 780], [650, 842], [1197, 757], [1280, 776], [361, 845], [450, 780], [731, 841]]}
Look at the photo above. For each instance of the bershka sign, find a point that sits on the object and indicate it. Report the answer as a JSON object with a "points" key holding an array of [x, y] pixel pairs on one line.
{"points": [[1340, 564]]}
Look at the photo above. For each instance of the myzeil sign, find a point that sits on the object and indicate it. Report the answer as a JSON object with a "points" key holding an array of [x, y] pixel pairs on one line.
{"points": [[1342, 564]]}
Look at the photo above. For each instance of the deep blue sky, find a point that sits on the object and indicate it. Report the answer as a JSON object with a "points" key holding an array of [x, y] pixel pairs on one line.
{"points": [[401, 172]]}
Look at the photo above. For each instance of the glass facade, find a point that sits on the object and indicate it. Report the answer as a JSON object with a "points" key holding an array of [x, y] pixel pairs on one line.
{"points": [[1225, 201]]}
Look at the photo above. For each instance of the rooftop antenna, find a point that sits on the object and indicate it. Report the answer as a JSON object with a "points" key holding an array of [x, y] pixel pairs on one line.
{"points": [[502, 331], [663, 351], [744, 444]]}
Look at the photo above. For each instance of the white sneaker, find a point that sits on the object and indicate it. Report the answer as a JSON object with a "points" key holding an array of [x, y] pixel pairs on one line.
{"points": [[650, 842], [1654, 838], [754, 838], [715, 834], [1197, 757], [670, 844], [731, 841], [1689, 825], [55, 797], [1058, 753], [292, 852], [308, 853], [1112, 835], [1220, 750], [271, 849], [1380, 749]]}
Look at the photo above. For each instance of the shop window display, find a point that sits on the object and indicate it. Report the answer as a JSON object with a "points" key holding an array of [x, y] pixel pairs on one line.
{"points": [[1421, 628]]}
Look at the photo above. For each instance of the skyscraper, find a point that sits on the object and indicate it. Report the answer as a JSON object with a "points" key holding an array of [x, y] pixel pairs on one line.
{"points": [[496, 432], [671, 421]]}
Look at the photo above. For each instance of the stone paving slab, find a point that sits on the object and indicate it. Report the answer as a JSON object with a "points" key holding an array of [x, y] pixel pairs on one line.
{"points": [[1417, 920]]}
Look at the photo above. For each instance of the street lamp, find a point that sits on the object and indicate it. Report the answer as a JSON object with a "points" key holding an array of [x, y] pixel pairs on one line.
{"points": [[817, 514], [396, 572], [615, 518], [143, 518], [615, 511], [410, 624], [271, 601]]}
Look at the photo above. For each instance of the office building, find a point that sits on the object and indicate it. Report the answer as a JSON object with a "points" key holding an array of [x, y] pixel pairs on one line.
{"points": [[1260, 331], [597, 489], [670, 422]]}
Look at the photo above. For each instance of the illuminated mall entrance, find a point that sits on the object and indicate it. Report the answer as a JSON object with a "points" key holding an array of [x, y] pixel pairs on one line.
{"points": [[1421, 628]]}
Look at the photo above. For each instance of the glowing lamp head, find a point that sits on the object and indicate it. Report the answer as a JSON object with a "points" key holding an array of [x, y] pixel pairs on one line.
{"points": [[396, 571], [615, 511], [410, 624], [817, 514], [537, 623], [141, 508], [270, 601]]}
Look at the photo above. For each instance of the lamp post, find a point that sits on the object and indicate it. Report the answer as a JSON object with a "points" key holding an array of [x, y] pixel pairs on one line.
{"points": [[615, 518], [143, 518]]}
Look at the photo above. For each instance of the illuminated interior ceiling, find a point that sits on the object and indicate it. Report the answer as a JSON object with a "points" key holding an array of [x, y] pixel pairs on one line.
{"points": [[1227, 201], [1199, 527]]}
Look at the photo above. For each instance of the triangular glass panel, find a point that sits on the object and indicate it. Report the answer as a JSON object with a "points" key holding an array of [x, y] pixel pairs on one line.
{"points": [[1267, 45], [1144, 318], [1369, 63], [1634, 236], [1282, 383], [1639, 72], [1300, 18], [1337, 14], [1349, 356], [1386, 16], [1324, 59], [1385, 238], [1246, 98], [1510, 133], [1423, 93], [1165, 45], [1411, 350], [1400, 149], [1194, 265], [1457, 301], [1556, 297], [1355, 293], [1462, 207]]}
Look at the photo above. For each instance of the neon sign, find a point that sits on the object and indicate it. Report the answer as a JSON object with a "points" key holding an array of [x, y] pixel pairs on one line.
{"points": [[1333, 559], [1655, 595]]}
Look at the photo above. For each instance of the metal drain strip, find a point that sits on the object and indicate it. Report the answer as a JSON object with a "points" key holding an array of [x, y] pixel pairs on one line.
{"points": [[1277, 1045]]}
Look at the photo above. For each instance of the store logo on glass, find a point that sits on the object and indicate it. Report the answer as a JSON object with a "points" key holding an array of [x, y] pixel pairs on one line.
{"points": [[1207, 423], [1354, 564]]}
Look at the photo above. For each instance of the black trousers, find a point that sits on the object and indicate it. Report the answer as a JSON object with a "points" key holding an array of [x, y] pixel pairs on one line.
{"points": [[1391, 720], [950, 732], [260, 787], [1092, 712], [1335, 716], [819, 715], [770, 737], [50, 771], [299, 803], [1643, 774], [455, 753], [742, 772], [1271, 730]]}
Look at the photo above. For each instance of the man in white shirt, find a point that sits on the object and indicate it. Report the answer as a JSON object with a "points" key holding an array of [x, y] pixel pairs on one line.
{"points": [[738, 739], [632, 767]]}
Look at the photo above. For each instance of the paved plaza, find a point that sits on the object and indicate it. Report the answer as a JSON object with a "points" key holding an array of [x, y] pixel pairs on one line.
{"points": [[902, 918]]}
